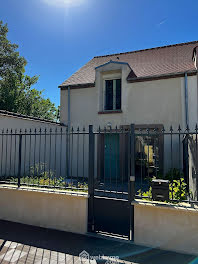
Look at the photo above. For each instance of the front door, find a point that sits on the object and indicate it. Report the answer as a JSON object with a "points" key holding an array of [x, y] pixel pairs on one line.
{"points": [[111, 157]]}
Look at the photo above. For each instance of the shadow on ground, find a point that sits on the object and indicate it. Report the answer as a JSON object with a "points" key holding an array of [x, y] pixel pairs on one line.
{"points": [[28, 244]]}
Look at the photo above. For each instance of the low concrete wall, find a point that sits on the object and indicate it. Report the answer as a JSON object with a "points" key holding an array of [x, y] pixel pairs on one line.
{"points": [[166, 226], [59, 211]]}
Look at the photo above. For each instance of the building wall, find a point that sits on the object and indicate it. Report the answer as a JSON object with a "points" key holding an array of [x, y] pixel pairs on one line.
{"points": [[149, 102]]}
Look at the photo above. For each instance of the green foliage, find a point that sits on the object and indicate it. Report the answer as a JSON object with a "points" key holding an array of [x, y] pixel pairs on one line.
{"points": [[177, 191], [49, 182], [171, 175], [177, 186], [40, 176], [16, 92], [146, 195]]}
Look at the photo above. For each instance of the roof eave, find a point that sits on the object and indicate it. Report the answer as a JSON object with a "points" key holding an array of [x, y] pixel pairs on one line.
{"points": [[76, 86], [132, 80], [161, 76]]}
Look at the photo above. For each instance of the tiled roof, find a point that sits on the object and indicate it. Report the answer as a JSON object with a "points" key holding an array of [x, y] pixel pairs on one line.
{"points": [[152, 62], [32, 118]]}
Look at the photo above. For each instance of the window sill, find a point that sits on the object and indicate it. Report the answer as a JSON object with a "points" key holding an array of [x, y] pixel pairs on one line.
{"points": [[110, 112]]}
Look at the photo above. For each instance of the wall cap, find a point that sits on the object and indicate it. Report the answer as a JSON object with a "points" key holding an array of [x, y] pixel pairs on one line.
{"points": [[162, 205], [44, 190]]}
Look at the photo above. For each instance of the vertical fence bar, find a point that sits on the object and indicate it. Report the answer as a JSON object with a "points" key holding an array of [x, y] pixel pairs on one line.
{"points": [[91, 179], [15, 152], [2, 133], [10, 153], [24, 157], [19, 161], [54, 171], [77, 160], [171, 156], [83, 159], [196, 165], [179, 138], [34, 175], [141, 161], [131, 172], [39, 163], [61, 138], [117, 159], [6, 153], [30, 148], [66, 174], [71, 156]]}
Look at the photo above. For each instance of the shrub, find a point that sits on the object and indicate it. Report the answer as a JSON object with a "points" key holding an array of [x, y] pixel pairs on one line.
{"points": [[171, 175], [177, 191]]}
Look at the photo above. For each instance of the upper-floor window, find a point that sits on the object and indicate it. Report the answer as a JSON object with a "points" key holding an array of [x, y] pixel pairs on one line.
{"points": [[112, 94]]}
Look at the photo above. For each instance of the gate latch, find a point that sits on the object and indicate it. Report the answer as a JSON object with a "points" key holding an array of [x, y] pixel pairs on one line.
{"points": [[132, 178]]}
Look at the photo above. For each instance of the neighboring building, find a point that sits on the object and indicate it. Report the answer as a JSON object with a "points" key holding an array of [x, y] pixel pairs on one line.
{"points": [[42, 146], [10, 120]]}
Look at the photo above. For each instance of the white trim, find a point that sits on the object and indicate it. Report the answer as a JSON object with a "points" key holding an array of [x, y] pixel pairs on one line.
{"points": [[113, 77]]}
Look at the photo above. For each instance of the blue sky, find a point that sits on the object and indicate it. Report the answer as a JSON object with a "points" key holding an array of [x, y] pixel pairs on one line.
{"points": [[58, 36]]}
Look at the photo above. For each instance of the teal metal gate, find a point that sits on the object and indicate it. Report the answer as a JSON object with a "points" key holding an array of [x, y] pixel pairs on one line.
{"points": [[110, 195]]}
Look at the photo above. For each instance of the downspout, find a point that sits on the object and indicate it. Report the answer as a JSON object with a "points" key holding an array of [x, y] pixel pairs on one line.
{"points": [[68, 110], [194, 58], [68, 124], [197, 94], [186, 98]]}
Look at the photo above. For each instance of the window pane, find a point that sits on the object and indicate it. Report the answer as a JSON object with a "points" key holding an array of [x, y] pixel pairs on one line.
{"points": [[109, 95], [118, 94]]}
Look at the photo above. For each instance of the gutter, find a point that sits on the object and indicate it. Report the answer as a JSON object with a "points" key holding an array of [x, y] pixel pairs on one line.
{"points": [[76, 86], [161, 76], [131, 80]]}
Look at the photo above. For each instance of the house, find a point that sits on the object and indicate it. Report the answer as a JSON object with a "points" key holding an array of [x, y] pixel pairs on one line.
{"points": [[150, 88]]}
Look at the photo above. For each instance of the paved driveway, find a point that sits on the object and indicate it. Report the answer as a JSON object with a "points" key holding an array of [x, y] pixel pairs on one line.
{"points": [[25, 244]]}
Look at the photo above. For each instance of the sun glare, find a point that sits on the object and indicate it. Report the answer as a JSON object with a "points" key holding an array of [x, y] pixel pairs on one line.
{"points": [[64, 3]]}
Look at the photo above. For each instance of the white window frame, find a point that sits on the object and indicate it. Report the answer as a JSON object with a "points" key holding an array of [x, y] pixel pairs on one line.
{"points": [[112, 77]]}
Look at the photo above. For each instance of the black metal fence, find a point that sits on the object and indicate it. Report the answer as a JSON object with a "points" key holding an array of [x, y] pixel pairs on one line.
{"points": [[169, 155], [105, 160], [50, 157]]}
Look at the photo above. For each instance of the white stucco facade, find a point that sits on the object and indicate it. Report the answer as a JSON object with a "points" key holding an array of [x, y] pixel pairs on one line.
{"points": [[162, 101], [149, 102]]}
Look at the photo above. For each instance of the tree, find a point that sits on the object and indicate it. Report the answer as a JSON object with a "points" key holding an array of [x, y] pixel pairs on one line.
{"points": [[16, 92]]}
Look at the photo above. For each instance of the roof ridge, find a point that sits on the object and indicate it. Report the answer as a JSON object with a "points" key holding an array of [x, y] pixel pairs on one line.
{"points": [[159, 47]]}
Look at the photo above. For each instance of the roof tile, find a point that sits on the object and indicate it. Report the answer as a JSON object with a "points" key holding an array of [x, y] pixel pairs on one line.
{"points": [[144, 63]]}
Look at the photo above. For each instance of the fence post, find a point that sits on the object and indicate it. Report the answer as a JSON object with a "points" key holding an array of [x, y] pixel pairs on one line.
{"points": [[91, 180], [19, 161], [131, 179]]}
